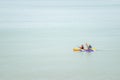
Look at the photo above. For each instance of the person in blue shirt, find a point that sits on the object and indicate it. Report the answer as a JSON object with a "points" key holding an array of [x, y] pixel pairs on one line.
{"points": [[88, 46]]}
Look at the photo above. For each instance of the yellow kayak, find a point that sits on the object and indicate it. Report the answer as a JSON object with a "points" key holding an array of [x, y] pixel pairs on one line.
{"points": [[78, 49]]}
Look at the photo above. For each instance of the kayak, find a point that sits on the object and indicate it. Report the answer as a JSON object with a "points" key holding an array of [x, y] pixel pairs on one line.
{"points": [[76, 49], [88, 50]]}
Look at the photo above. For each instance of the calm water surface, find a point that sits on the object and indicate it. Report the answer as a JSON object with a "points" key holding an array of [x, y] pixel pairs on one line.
{"points": [[37, 38]]}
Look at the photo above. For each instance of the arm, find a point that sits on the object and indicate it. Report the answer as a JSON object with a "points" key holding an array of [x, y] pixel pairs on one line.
{"points": [[87, 45]]}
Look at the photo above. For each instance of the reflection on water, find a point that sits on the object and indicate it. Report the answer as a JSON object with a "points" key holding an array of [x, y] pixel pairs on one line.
{"points": [[84, 53]]}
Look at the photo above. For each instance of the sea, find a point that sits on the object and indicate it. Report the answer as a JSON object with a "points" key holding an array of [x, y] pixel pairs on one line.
{"points": [[37, 38]]}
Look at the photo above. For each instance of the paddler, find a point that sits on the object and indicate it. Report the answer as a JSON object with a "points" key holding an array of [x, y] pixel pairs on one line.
{"points": [[82, 47], [89, 47]]}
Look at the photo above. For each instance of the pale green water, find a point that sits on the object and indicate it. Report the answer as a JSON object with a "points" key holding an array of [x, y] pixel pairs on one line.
{"points": [[37, 37]]}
